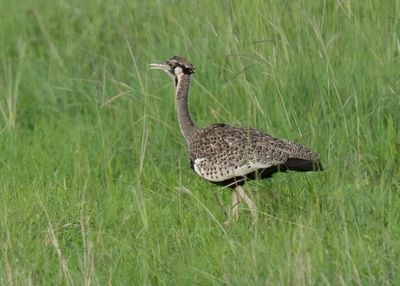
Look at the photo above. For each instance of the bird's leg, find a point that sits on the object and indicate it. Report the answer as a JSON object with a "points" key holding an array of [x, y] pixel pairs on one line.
{"points": [[235, 205], [252, 206], [234, 208]]}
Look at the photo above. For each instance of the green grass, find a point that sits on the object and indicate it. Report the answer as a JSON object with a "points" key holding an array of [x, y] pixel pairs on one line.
{"points": [[95, 185]]}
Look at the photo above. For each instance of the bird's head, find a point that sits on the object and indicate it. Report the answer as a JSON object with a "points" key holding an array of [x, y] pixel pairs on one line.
{"points": [[175, 67]]}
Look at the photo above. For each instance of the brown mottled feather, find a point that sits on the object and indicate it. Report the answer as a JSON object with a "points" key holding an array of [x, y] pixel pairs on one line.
{"points": [[224, 149]]}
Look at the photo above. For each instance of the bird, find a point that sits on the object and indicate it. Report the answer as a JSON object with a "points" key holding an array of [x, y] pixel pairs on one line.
{"points": [[227, 155]]}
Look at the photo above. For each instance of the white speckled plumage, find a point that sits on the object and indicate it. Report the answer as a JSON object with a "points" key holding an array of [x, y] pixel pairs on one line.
{"points": [[221, 152]]}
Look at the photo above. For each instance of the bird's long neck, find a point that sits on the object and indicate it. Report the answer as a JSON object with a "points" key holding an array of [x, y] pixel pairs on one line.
{"points": [[182, 92]]}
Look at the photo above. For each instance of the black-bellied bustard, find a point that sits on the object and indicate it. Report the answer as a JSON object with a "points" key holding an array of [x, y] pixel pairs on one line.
{"points": [[227, 155]]}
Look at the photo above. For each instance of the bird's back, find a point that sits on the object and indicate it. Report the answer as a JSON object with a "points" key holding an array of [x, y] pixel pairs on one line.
{"points": [[221, 153]]}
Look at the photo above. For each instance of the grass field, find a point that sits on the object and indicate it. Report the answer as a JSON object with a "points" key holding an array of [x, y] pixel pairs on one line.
{"points": [[95, 185]]}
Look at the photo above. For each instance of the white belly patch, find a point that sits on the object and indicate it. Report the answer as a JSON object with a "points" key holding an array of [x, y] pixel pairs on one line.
{"points": [[218, 173]]}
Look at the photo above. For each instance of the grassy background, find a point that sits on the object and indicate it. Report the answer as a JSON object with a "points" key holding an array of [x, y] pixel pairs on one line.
{"points": [[95, 186]]}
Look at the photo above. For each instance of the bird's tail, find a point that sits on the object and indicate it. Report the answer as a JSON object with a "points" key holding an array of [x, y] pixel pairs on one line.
{"points": [[302, 165]]}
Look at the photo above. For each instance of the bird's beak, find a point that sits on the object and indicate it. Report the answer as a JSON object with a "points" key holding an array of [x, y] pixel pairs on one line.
{"points": [[163, 67]]}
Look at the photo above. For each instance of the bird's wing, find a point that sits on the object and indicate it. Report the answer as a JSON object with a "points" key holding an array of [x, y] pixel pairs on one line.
{"points": [[220, 152]]}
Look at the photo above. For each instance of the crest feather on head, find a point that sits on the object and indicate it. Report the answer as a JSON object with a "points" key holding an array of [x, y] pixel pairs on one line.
{"points": [[184, 64]]}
